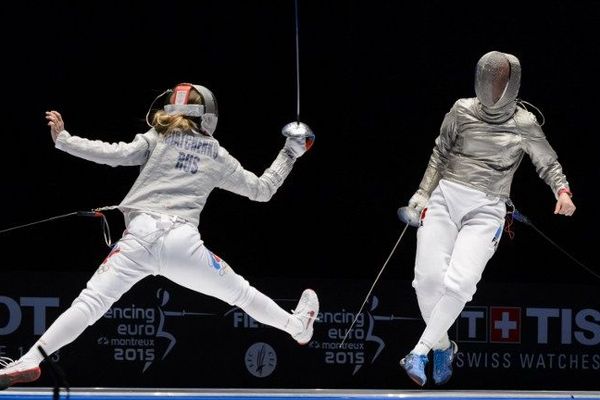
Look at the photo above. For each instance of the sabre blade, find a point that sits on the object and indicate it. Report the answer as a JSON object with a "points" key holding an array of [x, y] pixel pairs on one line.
{"points": [[297, 62], [373, 285]]}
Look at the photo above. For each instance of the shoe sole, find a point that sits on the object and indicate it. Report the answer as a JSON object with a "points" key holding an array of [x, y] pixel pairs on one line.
{"points": [[312, 318], [442, 382], [415, 379], [26, 376]]}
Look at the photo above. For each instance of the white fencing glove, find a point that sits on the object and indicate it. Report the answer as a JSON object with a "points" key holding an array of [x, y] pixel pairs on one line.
{"points": [[411, 214], [419, 200], [295, 147]]}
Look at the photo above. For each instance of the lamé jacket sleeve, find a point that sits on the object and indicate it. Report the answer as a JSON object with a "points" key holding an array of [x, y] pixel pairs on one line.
{"points": [[135, 152], [542, 155], [246, 183], [441, 150]]}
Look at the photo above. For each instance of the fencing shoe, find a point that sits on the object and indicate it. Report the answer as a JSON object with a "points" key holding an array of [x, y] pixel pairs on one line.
{"points": [[442, 363], [20, 371], [306, 311], [414, 365]]}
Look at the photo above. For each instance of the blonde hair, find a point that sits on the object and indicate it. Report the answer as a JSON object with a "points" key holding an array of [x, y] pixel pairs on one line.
{"points": [[166, 124]]}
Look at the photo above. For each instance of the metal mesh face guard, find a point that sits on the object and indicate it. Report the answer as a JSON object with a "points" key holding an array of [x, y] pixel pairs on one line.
{"points": [[497, 79], [210, 102]]}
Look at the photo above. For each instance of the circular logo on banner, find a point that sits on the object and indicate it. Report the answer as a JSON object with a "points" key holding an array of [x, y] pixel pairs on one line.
{"points": [[261, 360]]}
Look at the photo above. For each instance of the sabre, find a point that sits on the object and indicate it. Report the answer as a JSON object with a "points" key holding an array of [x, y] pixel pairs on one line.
{"points": [[410, 217], [297, 129], [526, 221]]}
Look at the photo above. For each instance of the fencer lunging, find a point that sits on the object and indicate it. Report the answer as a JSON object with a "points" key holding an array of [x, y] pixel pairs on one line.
{"points": [[181, 163], [461, 200]]}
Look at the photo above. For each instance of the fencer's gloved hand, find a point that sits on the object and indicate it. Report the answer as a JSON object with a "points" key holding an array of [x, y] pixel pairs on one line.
{"points": [[411, 214], [295, 146], [419, 200]]}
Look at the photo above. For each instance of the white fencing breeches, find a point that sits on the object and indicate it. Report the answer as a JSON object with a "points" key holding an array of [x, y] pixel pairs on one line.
{"points": [[160, 245], [459, 232]]}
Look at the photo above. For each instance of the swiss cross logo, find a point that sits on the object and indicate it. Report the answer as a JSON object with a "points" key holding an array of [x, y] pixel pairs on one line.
{"points": [[505, 324]]}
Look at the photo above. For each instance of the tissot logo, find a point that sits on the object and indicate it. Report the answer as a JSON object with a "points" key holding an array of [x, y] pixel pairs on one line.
{"points": [[540, 325], [505, 324], [11, 321]]}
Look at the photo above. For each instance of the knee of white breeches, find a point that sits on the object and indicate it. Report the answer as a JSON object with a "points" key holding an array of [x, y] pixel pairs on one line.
{"points": [[428, 294], [245, 295], [93, 304], [428, 282], [462, 290]]}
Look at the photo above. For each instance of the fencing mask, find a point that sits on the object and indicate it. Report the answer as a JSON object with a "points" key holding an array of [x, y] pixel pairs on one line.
{"points": [[497, 81], [207, 111]]}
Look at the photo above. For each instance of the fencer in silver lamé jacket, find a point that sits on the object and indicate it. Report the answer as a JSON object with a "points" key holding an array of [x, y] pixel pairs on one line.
{"points": [[178, 171], [485, 156]]}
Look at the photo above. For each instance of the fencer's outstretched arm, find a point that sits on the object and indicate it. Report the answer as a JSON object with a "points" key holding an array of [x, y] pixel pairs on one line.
{"points": [[545, 160], [113, 154], [437, 161], [542, 155], [246, 183]]}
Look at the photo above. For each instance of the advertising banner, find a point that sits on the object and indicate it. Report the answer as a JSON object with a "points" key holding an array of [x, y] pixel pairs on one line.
{"points": [[162, 335]]}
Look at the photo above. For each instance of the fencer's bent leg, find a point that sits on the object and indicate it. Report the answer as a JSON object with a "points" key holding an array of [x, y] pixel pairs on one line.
{"points": [[435, 242], [128, 263], [190, 264], [475, 244]]}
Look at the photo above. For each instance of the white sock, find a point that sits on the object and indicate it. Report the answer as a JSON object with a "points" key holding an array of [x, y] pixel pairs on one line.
{"points": [[63, 331], [421, 349], [442, 317], [444, 342], [266, 311]]}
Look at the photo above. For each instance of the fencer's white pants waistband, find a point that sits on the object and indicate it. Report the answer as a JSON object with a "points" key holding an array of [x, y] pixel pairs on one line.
{"points": [[459, 232], [161, 245]]}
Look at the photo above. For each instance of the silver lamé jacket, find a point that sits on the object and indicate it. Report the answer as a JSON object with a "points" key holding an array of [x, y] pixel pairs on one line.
{"points": [[178, 171], [485, 156]]}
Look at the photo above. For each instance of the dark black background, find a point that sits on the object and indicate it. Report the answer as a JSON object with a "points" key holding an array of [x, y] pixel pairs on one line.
{"points": [[376, 79]]}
